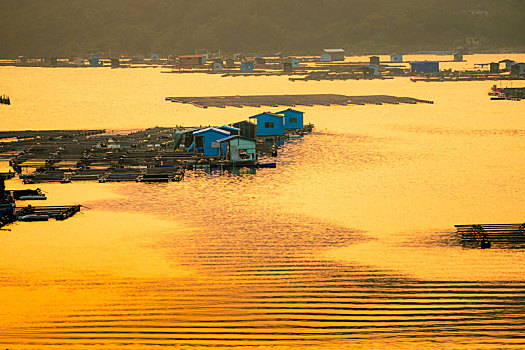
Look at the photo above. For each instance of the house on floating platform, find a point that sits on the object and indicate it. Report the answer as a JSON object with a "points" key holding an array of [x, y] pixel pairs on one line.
{"points": [[374, 60], [247, 67], [396, 57], [155, 57], [93, 61], [508, 63], [517, 69], [239, 149], [293, 119], [329, 55], [206, 141], [246, 129], [229, 63], [424, 66], [458, 57], [260, 60], [287, 66], [269, 124], [79, 61], [192, 60], [296, 62], [217, 66]]}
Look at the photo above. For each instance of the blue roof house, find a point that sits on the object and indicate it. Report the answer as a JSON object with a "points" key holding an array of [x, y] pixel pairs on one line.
{"points": [[329, 55], [424, 66], [207, 140], [247, 66], [396, 57], [292, 119], [269, 124], [296, 62], [93, 61]]}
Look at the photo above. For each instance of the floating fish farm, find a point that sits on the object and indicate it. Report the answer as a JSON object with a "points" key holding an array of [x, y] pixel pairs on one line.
{"points": [[292, 100]]}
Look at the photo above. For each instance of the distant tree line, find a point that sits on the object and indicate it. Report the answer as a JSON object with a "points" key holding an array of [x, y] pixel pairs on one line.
{"points": [[63, 28]]}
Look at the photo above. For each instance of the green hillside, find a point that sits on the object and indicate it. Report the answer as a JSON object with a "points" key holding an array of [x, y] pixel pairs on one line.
{"points": [[62, 28]]}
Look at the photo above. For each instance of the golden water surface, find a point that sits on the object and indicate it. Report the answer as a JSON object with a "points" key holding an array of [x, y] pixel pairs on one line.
{"points": [[349, 243]]}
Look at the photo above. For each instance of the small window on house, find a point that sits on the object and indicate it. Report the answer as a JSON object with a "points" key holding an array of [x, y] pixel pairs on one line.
{"points": [[243, 154], [293, 120], [268, 125]]}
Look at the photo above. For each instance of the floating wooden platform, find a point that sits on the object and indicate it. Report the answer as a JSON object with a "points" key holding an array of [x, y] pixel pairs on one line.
{"points": [[62, 156], [44, 213], [458, 78], [492, 235], [292, 100], [49, 134], [516, 94]]}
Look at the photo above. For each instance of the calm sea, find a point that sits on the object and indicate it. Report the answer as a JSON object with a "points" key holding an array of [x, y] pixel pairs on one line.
{"points": [[349, 243]]}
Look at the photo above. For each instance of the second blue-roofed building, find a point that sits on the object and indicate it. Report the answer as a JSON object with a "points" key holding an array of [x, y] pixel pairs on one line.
{"points": [[269, 124], [293, 119], [206, 141]]}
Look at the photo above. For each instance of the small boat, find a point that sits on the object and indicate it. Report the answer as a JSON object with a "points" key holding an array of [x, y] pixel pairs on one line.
{"points": [[28, 195], [33, 197], [268, 165], [33, 217]]}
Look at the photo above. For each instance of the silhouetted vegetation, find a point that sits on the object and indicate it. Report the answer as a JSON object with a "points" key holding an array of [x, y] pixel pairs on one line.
{"points": [[38, 28]]}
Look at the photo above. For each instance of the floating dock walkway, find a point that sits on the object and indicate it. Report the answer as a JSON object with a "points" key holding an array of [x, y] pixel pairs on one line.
{"points": [[492, 235], [292, 100]]}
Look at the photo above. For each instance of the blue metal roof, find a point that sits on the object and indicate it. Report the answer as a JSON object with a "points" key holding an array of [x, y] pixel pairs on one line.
{"points": [[234, 137], [203, 131], [230, 128], [289, 109], [267, 113]]}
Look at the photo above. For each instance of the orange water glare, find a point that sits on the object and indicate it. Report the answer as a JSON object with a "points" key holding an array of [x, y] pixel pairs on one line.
{"points": [[349, 242]]}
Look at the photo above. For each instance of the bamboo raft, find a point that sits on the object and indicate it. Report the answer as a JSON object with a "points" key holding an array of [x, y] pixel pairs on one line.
{"points": [[492, 235], [292, 100], [44, 213], [65, 156], [516, 94], [458, 78]]}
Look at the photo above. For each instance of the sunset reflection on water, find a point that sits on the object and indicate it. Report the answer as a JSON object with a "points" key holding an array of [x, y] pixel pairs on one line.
{"points": [[349, 242]]}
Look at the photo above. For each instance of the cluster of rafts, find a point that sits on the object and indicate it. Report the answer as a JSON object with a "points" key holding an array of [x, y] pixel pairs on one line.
{"points": [[11, 212], [487, 236]]}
